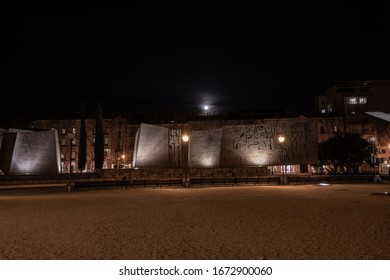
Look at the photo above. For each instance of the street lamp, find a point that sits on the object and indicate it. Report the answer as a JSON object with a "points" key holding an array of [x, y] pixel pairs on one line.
{"points": [[373, 156], [123, 160], [283, 180], [71, 137], [185, 138]]}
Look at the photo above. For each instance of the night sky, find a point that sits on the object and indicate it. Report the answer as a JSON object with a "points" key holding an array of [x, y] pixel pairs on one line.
{"points": [[164, 57]]}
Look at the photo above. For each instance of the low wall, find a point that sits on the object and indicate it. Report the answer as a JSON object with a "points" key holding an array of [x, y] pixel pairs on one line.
{"points": [[194, 174], [169, 173]]}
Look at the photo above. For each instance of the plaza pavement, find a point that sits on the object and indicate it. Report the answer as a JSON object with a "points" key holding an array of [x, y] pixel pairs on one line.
{"points": [[343, 221]]}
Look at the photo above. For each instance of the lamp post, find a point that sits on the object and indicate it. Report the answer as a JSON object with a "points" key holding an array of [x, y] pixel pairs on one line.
{"points": [[71, 137], [283, 180], [185, 139], [123, 160], [373, 156]]}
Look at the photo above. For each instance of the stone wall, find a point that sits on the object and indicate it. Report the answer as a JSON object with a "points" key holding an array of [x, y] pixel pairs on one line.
{"points": [[258, 145], [151, 146], [175, 173], [205, 148], [30, 152], [232, 145]]}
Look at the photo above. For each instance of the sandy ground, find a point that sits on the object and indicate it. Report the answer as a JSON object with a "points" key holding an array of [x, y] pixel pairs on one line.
{"points": [[307, 222]]}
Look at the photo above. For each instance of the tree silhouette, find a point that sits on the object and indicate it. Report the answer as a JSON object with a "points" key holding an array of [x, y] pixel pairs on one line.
{"points": [[82, 142], [345, 153], [99, 138]]}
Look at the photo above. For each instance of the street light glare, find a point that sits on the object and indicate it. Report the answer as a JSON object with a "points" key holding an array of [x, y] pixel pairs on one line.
{"points": [[281, 139], [185, 138], [205, 107]]}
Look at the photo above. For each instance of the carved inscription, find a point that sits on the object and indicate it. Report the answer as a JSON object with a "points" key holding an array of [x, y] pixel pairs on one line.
{"points": [[253, 137]]}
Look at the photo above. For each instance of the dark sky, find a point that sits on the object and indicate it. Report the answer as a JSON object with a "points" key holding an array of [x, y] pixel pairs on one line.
{"points": [[161, 57]]}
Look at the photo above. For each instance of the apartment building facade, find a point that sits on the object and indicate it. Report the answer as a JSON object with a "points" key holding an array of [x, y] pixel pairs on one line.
{"points": [[352, 100]]}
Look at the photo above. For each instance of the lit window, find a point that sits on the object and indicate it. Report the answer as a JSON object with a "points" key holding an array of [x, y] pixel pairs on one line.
{"points": [[74, 131], [357, 100], [105, 140], [323, 111], [362, 100], [335, 129], [62, 141], [63, 131]]}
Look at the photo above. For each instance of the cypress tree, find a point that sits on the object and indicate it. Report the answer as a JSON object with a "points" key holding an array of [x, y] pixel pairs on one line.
{"points": [[99, 138], [82, 142]]}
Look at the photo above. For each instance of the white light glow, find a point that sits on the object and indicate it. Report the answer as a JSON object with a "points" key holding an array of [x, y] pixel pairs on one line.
{"points": [[281, 139], [209, 161], [258, 159], [186, 138]]}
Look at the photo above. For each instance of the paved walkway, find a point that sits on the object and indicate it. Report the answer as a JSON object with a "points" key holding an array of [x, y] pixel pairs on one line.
{"points": [[341, 221]]}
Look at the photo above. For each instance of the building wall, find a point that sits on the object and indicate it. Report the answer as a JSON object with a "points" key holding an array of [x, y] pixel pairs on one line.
{"points": [[119, 138], [2, 133], [328, 127], [352, 99]]}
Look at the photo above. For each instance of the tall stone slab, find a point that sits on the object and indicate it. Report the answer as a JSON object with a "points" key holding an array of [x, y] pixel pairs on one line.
{"points": [[151, 147], [205, 148], [30, 152]]}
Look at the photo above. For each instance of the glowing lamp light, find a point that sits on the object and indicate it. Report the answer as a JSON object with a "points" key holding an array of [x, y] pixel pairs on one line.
{"points": [[283, 180], [205, 107], [185, 138]]}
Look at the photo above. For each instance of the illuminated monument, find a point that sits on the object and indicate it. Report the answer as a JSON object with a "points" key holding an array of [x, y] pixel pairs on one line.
{"points": [[258, 145], [205, 148], [30, 152], [151, 146], [235, 145]]}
